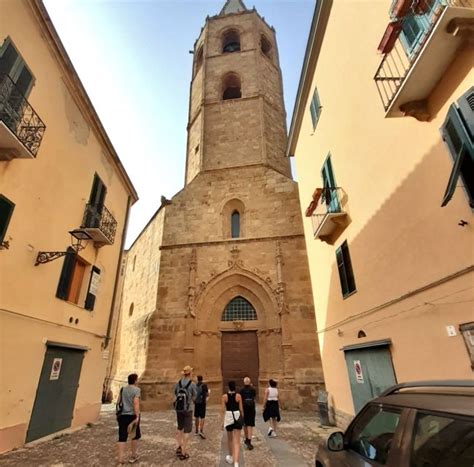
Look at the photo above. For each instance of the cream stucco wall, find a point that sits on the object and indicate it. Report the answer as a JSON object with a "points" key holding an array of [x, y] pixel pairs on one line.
{"points": [[50, 193], [394, 172]]}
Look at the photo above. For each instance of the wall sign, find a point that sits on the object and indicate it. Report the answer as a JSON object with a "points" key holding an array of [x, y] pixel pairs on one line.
{"points": [[95, 281], [358, 372], [56, 369]]}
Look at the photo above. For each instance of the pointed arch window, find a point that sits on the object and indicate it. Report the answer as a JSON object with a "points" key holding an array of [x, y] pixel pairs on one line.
{"points": [[232, 87], [265, 46], [239, 309], [231, 41], [199, 60], [235, 224]]}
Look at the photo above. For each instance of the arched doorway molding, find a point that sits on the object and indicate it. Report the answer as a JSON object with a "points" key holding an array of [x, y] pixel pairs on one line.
{"points": [[226, 286]]}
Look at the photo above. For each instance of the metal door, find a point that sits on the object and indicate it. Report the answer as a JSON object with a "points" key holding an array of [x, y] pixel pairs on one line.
{"points": [[239, 358], [370, 373], [56, 393]]}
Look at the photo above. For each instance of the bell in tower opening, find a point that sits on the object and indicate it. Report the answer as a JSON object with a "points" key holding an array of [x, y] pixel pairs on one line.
{"points": [[219, 278]]}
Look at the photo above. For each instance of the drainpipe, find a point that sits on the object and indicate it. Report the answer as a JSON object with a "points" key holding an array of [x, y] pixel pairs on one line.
{"points": [[117, 274]]}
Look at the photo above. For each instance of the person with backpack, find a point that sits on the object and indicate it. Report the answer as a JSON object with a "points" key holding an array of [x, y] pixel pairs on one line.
{"points": [[202, 395], [248, 395], [128, 418], [233, 421], [185, 395]]}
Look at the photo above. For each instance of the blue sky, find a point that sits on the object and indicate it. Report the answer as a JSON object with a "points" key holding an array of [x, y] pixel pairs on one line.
{"points": [[134, 62]]}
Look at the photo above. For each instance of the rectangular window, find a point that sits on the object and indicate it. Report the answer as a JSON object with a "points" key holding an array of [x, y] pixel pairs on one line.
{"points": [[315, 108], [13, 65], [457, 134], [344, 266], [71, 286], [467, 331], [6, 211], [329, 195], [96, 203]]}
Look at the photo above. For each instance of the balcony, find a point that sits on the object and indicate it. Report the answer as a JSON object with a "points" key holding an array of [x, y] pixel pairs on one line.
{"points": [[327, 214], [99, 224], [418, 46], [21, 130]]}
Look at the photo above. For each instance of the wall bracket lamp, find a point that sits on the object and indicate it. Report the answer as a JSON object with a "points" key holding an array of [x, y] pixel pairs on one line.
{"points": [[78, 236]]}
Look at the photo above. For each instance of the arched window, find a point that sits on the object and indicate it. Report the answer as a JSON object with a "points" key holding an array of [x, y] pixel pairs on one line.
{"points": [[231, 41], [198, 60], [239, 309], [361, 334], [235, 224], [265, 46], [231, 87]]}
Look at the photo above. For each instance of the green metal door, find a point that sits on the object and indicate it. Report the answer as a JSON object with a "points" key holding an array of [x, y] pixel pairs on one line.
{"points": [[370, 373], [56, 393]]}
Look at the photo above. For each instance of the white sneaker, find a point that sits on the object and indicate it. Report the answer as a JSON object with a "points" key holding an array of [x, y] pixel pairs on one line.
{"points": [[229, 459], [270, 431], [236, 464], [273, 435]]}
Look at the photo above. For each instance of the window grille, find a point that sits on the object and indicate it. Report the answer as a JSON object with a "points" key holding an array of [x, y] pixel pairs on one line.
{"points": [[239, 309]]}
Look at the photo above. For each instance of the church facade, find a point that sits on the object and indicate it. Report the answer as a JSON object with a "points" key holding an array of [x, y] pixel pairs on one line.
{"points": [[219, 277]]}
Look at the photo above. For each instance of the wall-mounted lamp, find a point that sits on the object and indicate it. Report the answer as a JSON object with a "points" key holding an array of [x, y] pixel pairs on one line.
{"points": [[78, 236]]}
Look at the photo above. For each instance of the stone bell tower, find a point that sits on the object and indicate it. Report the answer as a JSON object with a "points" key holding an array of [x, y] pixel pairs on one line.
{"points": [[219, 278], [236, 110]]}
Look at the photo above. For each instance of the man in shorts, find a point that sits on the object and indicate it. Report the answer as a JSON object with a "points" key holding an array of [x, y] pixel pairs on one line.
{"points": [[184, 411], [202, 396]]}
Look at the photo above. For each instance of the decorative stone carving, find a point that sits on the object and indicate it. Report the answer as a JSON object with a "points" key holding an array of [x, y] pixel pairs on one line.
{"points": [[191, 287], [280, 290], [238, 325]]}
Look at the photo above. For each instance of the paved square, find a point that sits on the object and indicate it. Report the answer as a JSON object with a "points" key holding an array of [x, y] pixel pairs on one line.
{"points": [[298, 435]]}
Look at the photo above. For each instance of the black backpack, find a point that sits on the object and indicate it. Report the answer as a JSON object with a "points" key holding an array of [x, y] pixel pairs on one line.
{"points": [[181, 404]]}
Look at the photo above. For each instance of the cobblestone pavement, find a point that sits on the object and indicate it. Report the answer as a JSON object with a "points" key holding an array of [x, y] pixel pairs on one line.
{"points": [[298, 435]]}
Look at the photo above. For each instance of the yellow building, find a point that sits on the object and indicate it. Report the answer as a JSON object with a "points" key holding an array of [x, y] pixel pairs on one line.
{"points": [[382, 136], [58, 174]]}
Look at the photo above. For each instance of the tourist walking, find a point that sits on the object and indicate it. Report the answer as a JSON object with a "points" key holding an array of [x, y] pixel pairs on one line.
{"points": [[248, 395], [128, 418], [271, 411], [185, 395], [232, 421], [202, 396]]}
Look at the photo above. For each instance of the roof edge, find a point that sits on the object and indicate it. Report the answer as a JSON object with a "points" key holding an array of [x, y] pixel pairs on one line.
{"points": [[313, 47], [53, 38]]}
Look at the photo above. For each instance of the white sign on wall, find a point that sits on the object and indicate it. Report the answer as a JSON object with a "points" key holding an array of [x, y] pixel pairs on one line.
{"points": [[95, 281], [358, 371], [56, 369]]}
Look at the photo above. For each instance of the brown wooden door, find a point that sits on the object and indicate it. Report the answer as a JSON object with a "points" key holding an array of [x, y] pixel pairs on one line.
{"points": [[239, 358]]}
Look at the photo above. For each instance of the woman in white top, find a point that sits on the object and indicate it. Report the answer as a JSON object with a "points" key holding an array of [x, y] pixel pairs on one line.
{"points": [[271, 411]]}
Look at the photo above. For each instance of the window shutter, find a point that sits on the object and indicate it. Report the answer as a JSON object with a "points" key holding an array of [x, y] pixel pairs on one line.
{"points": [[8, 59], [66, 274], [466, 109], [6, 211], [24, 81], [348, 267], [461, 147], [342, 271], [91, 290]]}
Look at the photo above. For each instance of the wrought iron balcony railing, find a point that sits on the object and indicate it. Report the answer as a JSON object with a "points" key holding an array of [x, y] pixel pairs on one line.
{"points": [[99, 224], [19, 116], [411, 26], [326, 211]]}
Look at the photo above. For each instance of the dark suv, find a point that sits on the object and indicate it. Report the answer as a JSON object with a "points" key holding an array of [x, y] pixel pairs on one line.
{"points": [[419, 424]]}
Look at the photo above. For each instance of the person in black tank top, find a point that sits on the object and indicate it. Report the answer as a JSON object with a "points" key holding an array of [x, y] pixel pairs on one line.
{"points": [[248, 395], [232, 411]]}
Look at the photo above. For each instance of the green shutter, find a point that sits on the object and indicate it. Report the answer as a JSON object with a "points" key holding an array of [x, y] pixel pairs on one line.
{"points": [[455, 135], [66, 274], [6, 211], [346, 273], [315, 108]]}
